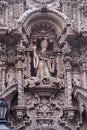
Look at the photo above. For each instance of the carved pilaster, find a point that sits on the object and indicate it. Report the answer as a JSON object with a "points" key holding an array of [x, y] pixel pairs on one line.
{"points": [[3, 77], [68, 83], [68, 105], [68, 77], [20, 83], [58, 59], [20, 52], [28, 63], [84, 75], [3, 70], [68, 73]]}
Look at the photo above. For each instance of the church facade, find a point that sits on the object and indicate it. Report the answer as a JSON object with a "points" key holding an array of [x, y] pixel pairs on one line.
{"points": [[43, 63]]}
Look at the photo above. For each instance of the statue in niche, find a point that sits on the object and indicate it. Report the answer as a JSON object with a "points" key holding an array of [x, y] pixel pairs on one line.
{"points": [[11, 77], [44, 65]]}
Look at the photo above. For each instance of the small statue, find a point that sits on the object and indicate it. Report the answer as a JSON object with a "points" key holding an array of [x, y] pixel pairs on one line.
{"points": [[42, 62]]}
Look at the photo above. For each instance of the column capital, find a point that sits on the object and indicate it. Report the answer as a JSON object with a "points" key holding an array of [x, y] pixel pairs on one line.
{"points": [[68, 66]]}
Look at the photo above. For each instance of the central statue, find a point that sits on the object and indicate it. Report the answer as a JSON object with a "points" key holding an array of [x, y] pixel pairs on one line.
{"points": [[42, 62]]}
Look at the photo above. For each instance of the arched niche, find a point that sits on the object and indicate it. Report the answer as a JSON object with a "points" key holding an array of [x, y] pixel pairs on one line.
{"points": [[56, 20]]}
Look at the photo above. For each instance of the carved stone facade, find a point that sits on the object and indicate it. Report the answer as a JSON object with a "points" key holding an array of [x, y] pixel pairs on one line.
{"points": [[43, 63]]}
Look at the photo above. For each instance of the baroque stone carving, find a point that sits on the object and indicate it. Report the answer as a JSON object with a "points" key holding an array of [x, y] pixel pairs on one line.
{"points": [[43, 64]]}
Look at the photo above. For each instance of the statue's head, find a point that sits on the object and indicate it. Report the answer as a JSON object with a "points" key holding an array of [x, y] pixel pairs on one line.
{"points": [[44, 44]]}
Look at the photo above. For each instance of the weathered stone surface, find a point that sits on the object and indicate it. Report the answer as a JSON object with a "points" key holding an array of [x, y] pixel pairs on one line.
{"points": [[43, 63]]}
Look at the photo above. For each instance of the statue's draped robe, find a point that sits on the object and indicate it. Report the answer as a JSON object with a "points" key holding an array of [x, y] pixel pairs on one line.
{"points": [[43, 65]]}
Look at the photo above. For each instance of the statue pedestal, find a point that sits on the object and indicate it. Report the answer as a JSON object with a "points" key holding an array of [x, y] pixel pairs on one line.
{"points": [[20, 111]]}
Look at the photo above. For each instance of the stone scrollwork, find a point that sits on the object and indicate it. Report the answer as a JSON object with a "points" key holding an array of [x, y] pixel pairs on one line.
{"points": [[43, 63], [43, 110]]}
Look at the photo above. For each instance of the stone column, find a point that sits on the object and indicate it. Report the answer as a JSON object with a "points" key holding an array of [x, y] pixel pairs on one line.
{"points": [[3, 78], [68, 79], [21, 105], [84, 76], [58, 59], [20, 83], [29, 60], [68, 105], [3, 67], [68, 84]]}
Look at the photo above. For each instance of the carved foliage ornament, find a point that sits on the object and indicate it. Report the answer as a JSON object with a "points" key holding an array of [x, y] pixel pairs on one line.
{"points": [[43, 110]]}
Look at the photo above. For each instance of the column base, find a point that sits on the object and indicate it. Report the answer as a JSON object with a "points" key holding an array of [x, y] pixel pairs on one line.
{"points": [[70, 112], [20, 110]]}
